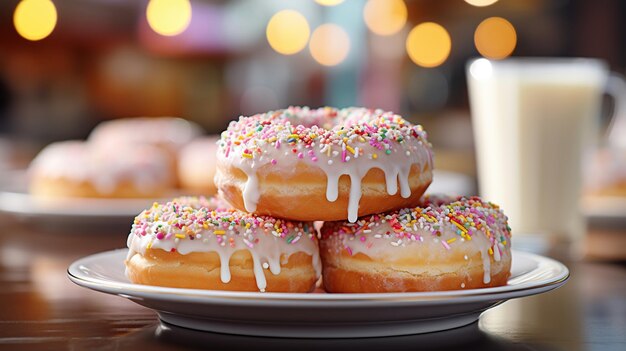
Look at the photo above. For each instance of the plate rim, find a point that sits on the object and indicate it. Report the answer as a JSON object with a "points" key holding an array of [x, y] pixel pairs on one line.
{"points": [[168, 293], [74, 207]]}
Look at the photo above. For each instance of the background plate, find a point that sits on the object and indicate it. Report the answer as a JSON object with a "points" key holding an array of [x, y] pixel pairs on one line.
{"points": [[62, 213], [317, 315]]}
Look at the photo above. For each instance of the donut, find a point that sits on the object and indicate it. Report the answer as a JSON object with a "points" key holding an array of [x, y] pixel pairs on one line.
{"points": [[168, 133], [203, 243], [443, 244], [196, 166], [323, 164], [77, 169]]}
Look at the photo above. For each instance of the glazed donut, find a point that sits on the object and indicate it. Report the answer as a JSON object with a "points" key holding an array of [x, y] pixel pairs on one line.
{"points": [[196, 166], [168, 133], [203, 244], [77, 169], [323, 164], [445, 244]]}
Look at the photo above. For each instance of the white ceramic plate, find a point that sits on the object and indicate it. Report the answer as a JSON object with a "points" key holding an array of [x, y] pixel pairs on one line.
{"points": [[317, 315], [62, 212], [72, 213]]}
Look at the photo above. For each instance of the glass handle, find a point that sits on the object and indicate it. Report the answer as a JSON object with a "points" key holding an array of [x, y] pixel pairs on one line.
{"points": [[616, 88]]}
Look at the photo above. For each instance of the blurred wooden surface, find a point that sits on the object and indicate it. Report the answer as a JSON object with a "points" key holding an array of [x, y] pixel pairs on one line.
{"points": [[40, 309]]}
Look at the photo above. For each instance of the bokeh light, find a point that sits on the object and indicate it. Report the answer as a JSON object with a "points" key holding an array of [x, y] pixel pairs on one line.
{"points": [[385, 17], [35, 19], [428, 44], [481, 69], [169, 17], [329, 2], [288, 32], [329, 45], [495, 38], [481, 3]]}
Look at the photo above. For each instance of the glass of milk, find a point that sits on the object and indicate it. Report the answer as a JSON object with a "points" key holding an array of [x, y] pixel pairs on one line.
{"points": [[533, 120]]}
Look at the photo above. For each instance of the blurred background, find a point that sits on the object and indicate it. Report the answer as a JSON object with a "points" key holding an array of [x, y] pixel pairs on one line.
{"points": [[67, 65]]}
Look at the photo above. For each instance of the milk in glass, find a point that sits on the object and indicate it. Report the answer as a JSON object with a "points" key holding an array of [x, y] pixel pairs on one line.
{"points": [[533, 119]]}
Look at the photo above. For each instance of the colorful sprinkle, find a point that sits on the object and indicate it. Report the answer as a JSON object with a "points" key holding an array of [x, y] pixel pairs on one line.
{"points": [[462, 217], [345, 134], [192, 218]]}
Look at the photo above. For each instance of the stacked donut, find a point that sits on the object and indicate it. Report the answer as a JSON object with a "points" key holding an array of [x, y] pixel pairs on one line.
{"points": [[127, 158], [363, 172]]}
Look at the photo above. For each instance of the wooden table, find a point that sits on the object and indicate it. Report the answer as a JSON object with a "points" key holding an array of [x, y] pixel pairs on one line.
{"points": [[40, 309]]}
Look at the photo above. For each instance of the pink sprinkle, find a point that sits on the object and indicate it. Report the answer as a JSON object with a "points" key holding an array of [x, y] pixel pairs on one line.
{"points": [[274, 162], [300, 155], [314, 159], [349, 250], [248, 243], [445, 244], [311, 153], [160, 236], [277, 144], [362, 238], [343, 156]]}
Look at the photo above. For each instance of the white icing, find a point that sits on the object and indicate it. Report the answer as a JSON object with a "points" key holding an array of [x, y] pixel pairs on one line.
{"points": [[144, 166], [266, 250], [224, 267], [482, 244], [396, 165], [174, 132], [382, 240], [251, 192], [385, 247]]}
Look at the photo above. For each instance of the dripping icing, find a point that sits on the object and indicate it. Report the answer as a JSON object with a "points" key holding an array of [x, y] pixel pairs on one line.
{"points": [[249, 146], [160, 228], [267, 250], [431, 227]]}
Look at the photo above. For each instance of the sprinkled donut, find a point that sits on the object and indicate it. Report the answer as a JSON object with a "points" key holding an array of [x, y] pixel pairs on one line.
{"points": [[78, 169], [291, 163], [205, 244], [445, 244]]}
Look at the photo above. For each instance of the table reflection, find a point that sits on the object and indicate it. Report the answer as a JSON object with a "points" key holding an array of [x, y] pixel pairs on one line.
{"points": [[165, 337]]}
